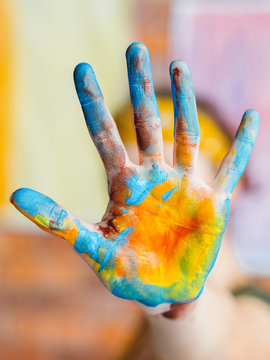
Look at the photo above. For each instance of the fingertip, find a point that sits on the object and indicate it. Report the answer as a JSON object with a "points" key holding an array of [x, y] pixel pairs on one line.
{"points": [[20, 196], [136, 49], [81, 71], [85, 82], [180, 67], [181, 80], [253, 116], [32, 203], [45, 213], [138, 60], [249, 126]]}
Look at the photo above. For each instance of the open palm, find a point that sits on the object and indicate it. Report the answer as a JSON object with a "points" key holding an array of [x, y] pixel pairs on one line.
{"points": [[163, 227]]}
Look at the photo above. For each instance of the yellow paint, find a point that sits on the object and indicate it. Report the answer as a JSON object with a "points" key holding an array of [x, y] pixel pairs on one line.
{"points": [[183, 229]]}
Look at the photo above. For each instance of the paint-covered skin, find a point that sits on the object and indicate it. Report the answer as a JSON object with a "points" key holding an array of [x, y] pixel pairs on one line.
{"points": [[163, 227]]}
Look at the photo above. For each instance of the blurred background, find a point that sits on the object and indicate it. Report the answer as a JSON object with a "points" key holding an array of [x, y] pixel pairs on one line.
{"points": [[52, 305]]}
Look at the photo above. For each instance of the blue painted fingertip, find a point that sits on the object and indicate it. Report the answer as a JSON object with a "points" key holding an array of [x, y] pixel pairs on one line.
{"points": [[136, 48], [32, 202], [250, 124], [39, 208], [86, 83]]}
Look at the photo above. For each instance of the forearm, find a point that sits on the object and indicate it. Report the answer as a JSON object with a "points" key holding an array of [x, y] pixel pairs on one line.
{"points": [[199, 331]]}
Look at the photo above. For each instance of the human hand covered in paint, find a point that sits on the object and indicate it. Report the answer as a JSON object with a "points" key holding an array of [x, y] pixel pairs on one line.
{"points": [[162, 230]]}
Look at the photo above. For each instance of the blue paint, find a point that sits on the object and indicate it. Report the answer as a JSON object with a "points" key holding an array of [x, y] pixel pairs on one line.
{"points": [[36, 205], [98, 119], [32, 202], [184, 99], [140, 76], [135, 289], [111, 252], [243, 144], [140, 187], [83, 77], [168, 194], [124, 210], [90, 97], [141, 87], [149, 294], [89, 242]]}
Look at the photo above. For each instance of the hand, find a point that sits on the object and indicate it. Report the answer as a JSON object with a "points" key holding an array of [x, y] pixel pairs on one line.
{"points": [[163, 227]]}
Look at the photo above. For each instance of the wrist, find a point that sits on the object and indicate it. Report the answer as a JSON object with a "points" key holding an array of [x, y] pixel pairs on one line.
{"points": [[156, 310], [178, 310], [168, 311]]}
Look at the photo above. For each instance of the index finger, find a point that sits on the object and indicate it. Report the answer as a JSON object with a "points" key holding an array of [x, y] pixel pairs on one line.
{"points": [[99, 121]]}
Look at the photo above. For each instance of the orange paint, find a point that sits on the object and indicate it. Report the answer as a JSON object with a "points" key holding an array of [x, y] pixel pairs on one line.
{"points": [[164, 233], [6, 98]]}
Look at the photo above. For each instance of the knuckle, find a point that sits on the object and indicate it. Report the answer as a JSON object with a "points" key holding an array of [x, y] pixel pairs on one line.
{"points": [[58, 219]]}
